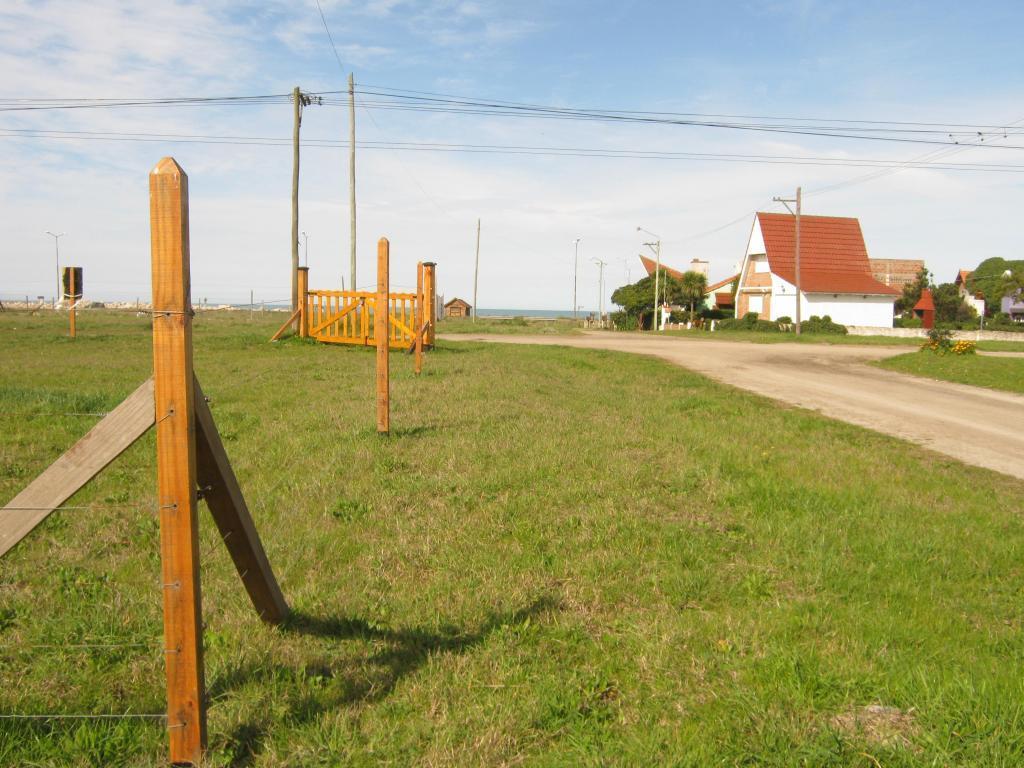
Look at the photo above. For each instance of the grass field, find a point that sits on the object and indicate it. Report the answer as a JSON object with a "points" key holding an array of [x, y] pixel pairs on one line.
{"points": [[980, 370], [824, 338], [543, 325], [559, 557]]}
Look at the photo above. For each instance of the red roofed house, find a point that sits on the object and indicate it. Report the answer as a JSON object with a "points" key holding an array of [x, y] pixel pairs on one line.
{"points": [[718, 295], [925, 309], [835, 273]]}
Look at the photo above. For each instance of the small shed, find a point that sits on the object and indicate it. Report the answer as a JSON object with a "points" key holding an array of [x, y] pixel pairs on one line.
{"points": [[925, 309], [457, 308]]}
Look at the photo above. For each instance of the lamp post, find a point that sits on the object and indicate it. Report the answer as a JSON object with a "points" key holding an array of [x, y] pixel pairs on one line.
{"points": [[656, 247], [56, 246], [575, 273]]}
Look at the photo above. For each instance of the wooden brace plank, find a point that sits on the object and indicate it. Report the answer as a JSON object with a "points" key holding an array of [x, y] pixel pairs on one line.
{"points": [[62, 479], [401, 326], [227, 505], [421, 335], [287, 323], [335, 318]]}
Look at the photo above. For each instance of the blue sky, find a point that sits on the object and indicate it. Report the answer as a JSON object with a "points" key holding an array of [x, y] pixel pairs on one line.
{"points": [[880, 61]]}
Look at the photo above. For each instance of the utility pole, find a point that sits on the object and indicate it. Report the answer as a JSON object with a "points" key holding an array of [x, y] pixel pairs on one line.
{"points": [[656, 247], [796, 250], [305, 249], [600, 290], [56, 246], [352, 178], [297, 105], [575, 273], [299, 100], [476, 271]]}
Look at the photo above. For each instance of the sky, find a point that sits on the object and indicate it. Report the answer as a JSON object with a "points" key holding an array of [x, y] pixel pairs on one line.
{"points": [[909, 61]]}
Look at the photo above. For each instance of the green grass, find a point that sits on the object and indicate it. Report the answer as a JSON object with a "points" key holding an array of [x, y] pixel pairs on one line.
{"points": [[543, 325], [824, 338], [1005, 373], [559, 557]]}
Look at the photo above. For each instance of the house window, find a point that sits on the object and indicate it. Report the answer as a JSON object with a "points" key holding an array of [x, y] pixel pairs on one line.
{"points": [[760, 265], [755, 304]]}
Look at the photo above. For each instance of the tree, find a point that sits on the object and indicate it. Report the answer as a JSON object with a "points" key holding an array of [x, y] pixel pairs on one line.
{"points": [[950, 306], [990, 281], [694, 287], [637, 299], [912, 292]]}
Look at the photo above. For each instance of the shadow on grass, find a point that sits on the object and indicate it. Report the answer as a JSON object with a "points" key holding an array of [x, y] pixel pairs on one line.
{"points": [[395, 653]]}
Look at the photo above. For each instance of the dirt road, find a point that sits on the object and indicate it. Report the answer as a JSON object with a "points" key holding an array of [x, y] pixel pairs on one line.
{"points": [[978, 426]]}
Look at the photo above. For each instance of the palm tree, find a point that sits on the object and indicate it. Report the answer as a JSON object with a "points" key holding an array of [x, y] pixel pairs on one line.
{"points": [[695, 286]]}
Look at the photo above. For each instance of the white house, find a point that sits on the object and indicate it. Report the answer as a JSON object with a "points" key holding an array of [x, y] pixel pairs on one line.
{"points": [[835, 274]]}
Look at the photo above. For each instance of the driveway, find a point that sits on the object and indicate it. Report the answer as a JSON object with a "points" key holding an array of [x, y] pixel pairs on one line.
{"points": [[977, 426]]}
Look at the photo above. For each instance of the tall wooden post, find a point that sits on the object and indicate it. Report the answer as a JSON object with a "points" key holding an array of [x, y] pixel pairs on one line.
{"points": [[304, 302], [430, 291], [176, 461], [419, 318], [297, 121], [381, 332], [72, 318]]}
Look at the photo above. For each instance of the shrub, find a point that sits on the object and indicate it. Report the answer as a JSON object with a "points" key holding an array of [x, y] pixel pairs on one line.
{"points": [[624, 321], [940, 341], [785, 320], [907, 322], [964, 347], [717, 314], [822, 325], [749, 322]]}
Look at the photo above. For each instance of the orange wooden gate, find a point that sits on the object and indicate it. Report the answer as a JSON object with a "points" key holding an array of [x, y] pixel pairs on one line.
{"points": [[348, 317]]}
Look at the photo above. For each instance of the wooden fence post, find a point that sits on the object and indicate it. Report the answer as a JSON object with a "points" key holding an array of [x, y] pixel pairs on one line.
{"points": [[304, 302], [430, 290], [176, 462], [419, 318], [381, 334]]}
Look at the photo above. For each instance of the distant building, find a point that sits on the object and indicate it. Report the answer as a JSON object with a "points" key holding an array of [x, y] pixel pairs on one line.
{"points": [[1013, 305], [718, 296], [457, 308], [896, 273], [835, 273], [977, 300]]}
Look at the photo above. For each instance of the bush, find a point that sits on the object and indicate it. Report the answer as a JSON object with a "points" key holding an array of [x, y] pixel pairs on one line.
{"points": [[822, 325], [717, 314], [907, 322], [623, 321], [785, 320], [940, 341], [749, 322]]}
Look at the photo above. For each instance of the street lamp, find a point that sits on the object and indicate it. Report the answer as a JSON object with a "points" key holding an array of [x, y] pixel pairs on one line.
{"points": [[656, 247], [305, 252], [56, 245], [575, 272]]}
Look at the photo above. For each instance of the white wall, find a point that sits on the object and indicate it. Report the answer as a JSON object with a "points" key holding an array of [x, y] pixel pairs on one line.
{"points": [[845, 309]]}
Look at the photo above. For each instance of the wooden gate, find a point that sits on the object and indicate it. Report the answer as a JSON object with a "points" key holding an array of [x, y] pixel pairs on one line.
{"points": [[348, 317]]}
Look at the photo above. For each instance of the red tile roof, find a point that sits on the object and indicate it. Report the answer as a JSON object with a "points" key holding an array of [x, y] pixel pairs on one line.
{"points": [[724, 299], [833, 257], [926, 302], [651, 264], [961, 276], [721, 284]]}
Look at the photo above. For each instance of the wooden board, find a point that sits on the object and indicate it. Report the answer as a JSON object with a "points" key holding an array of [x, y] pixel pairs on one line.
{"points": [[62, 479], [227, 505]]}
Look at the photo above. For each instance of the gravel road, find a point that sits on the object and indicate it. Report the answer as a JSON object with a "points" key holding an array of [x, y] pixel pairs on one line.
{"points": [[977, 426]]}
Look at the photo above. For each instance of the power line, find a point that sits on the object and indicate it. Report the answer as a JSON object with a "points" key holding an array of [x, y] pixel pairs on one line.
{"points": [[541, 151], [330, 37]]}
